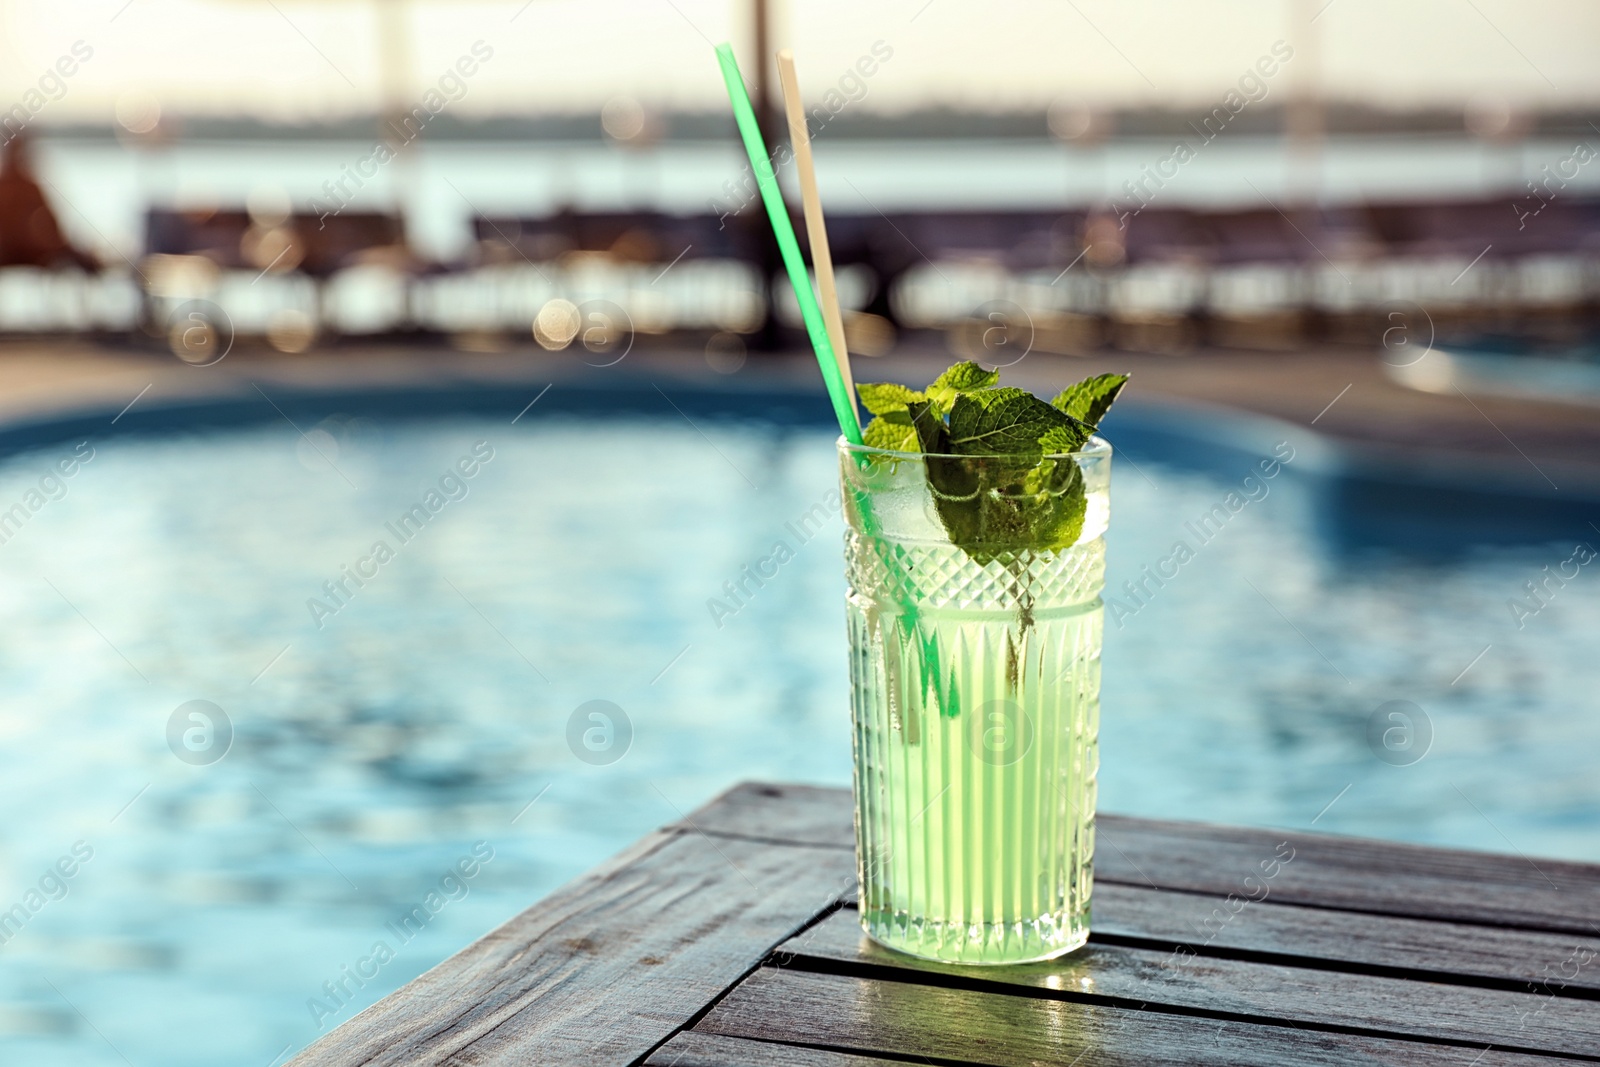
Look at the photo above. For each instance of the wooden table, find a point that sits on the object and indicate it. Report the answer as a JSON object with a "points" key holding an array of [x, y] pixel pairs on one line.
{"points": [[731, 939]]}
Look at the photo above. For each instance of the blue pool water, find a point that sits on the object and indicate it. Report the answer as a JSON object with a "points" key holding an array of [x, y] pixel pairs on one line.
{"points": [[384, 747]]}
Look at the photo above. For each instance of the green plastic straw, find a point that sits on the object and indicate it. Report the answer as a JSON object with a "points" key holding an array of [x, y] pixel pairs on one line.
{"points": [[844, 407]]}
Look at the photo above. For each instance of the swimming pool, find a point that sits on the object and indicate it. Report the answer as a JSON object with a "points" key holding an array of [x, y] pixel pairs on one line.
{"points": [[400, 718]]}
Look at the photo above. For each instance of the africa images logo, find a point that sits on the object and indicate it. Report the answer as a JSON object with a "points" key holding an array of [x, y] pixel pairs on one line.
{"points": [[199, 733]]}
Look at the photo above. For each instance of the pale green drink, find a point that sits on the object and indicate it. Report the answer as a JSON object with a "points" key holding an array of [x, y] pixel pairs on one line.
{"points": [[975, 724]]}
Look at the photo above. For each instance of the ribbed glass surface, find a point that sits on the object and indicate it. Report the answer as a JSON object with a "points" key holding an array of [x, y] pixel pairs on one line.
{"points": [[975, 752]]}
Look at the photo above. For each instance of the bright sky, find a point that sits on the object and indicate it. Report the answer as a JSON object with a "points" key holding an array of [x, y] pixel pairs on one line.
{"points": [[297, 59]]}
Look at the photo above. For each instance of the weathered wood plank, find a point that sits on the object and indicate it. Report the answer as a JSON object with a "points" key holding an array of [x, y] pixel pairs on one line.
{"points": [[910, 1021], [691, 1049], [605, 968], [1547, 962], [1354, 874], [1220, 987], [803, 814]]}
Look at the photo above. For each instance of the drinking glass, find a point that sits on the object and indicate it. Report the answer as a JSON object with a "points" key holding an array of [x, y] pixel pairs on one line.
{"points": [[975, 695]]}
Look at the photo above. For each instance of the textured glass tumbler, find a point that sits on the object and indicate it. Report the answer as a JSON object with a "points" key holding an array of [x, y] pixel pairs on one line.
{"points": [[975, 694]]}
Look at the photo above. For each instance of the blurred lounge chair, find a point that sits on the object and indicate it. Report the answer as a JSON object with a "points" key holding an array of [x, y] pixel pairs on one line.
{"points": [[626, 237], [967, 271], [1521, 264], [1156, 301], [1261, 261], [643, 272], [285, 277]]}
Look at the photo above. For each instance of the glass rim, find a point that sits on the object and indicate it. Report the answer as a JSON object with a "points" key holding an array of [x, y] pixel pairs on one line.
{"points": [[1095, 447]]}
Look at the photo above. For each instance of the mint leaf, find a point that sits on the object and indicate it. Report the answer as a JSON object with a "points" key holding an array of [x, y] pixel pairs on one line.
{"points": [[931, 432], [1057, 504], [996, 483], [887, 398], [1005, 512], [963, 377], [954, 482], [1002, 422], [890, 433], [1090, 399], [981, 492], [1059, 440]]}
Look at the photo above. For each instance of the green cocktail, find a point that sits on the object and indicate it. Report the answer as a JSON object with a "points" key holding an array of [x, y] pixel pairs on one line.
{"points": [[976, 561], [975, 680]]}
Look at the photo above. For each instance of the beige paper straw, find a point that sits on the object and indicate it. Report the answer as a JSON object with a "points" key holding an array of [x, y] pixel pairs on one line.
{"points": [[816, 230]]}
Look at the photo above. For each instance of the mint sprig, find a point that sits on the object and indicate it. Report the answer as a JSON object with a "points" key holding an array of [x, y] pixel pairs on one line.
{"points": [[1090, 399], [991, 465], [892, 404], [891, 435], [1007, 422], [888, 399], [963, 378]]}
